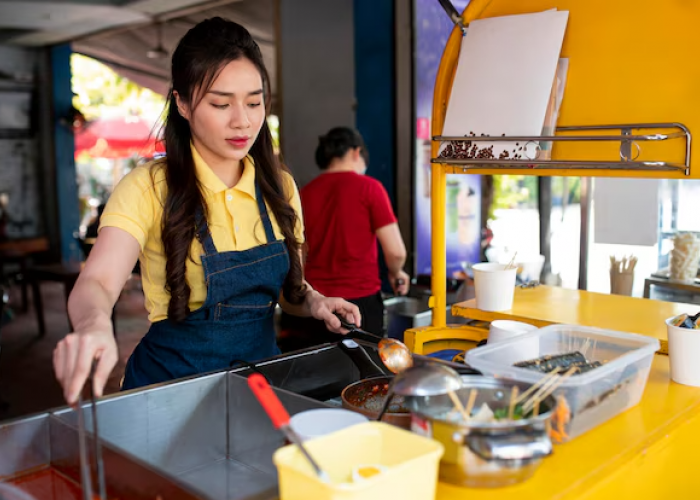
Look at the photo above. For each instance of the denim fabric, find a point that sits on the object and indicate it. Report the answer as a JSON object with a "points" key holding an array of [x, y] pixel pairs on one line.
{"points": [[234, 323]]}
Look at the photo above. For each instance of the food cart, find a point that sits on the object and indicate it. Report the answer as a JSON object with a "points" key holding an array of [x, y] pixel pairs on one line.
{"points": [[206, 437]]}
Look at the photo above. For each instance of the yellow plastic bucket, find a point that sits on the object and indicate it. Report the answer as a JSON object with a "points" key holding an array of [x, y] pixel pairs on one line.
{"points": [[409, 465]]}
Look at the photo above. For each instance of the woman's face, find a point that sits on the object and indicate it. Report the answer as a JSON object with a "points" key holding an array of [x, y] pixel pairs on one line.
{"points": [[226, 121]]}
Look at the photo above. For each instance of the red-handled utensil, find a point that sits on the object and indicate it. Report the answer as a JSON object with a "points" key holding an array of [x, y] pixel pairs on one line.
{"points": [[280, 418]]}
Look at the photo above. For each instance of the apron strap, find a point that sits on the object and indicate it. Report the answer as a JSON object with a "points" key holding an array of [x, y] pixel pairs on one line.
{"points": [[203, 234], [264, 216]]}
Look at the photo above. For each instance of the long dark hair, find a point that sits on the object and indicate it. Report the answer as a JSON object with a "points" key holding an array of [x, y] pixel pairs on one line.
{"points": [[196, 62]]}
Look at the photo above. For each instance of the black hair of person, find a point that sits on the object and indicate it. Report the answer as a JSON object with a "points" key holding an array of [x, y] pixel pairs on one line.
{"points": [[336, 144]]}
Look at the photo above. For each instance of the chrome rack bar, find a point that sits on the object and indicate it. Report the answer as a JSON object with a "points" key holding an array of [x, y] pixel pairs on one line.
{"points": [[626, 140], [483, 164]]}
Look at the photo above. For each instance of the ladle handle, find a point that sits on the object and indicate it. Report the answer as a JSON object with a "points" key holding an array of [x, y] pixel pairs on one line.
{"points": [[357, 354], [279, 416], [385, 406], [269, 400]]}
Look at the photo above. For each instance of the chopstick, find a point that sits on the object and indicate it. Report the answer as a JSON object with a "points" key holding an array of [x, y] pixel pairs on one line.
{"points": [[545, 392], [470, 403], [537, 385], [85, 464], [513, 398], [458, 405]]}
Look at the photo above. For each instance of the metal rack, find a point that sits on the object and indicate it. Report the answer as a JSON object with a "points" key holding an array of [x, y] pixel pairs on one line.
{"points": [[630, 149]]}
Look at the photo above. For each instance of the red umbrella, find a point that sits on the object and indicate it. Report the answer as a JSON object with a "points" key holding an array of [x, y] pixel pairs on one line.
{"points": [[119, 137]]}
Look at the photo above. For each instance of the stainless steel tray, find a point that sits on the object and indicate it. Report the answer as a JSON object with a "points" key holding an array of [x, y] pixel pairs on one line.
{"points": [[204, 437], [209, 433], [41, 442]]}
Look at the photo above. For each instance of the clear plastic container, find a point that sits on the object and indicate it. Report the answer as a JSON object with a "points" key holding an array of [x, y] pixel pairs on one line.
{"points": [[590, 398], [408, 464]]}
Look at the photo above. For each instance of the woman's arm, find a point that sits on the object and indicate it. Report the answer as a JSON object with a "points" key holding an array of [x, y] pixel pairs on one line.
{"points": [[90, 308]]}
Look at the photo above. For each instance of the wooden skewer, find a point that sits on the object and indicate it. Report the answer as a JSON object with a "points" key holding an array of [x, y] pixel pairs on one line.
{"points": [[513, 398], [537, 398], [536, 386], [470, 403], [536, 409], [458, 405], [530, 403], [512, 261], [540, 391]]}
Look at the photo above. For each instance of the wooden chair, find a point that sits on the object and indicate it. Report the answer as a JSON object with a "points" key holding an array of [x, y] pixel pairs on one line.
{"points": [[19, 252]]}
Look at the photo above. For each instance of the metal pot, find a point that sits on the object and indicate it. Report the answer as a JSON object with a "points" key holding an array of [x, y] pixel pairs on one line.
{"points": [[484, 454], [363, 398]]}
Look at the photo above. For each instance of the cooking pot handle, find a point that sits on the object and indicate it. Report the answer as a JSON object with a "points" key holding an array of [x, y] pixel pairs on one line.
{"points": [[368, 368], [520, 445]]}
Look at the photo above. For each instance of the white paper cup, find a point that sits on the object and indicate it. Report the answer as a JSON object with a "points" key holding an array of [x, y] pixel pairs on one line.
{"points": [[494, 286], [504, 330], [315, 423], [684, 354]]}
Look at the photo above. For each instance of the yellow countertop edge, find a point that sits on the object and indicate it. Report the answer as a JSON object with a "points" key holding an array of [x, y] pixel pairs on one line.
{"points": [[464, 310]]}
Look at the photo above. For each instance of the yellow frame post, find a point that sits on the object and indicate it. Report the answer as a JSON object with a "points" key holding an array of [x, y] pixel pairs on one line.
{"points": [[443, 86]]}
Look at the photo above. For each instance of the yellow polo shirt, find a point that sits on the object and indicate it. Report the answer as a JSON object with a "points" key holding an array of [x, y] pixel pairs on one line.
{"points": [[234, 221]]}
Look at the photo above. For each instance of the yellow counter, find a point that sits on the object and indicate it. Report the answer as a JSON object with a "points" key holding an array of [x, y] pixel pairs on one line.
{"points": [[547, 305], [647, 452]]}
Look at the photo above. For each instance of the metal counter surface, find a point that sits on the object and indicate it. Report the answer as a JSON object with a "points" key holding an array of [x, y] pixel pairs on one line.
{"points": [[209, 432]]}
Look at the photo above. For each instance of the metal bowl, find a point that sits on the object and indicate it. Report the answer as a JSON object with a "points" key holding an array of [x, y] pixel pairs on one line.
{"points": [[479, 454]]}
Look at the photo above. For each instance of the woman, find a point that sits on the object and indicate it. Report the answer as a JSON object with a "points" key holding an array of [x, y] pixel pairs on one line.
{"points": [[216, 226], [346, 213]]}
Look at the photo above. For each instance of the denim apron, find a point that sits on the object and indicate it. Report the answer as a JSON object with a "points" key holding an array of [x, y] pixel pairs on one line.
{"points": [[234, 323]]}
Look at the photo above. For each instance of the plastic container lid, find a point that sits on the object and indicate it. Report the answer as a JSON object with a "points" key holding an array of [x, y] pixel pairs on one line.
{"points": [[616, 349]]}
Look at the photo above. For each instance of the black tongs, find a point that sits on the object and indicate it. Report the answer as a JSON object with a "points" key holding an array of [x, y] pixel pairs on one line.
{"points": [[85, 463], [357, 333]]}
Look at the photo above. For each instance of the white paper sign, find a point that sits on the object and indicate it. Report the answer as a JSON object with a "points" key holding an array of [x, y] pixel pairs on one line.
{"points": [[504, 77], [626, 211]]}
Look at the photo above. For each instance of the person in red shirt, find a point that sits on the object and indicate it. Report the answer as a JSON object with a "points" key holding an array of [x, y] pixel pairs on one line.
{"points": [[345, 214]]}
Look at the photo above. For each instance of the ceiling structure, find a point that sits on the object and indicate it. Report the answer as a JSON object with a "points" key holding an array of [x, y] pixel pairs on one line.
{"points": [[128, 35]]}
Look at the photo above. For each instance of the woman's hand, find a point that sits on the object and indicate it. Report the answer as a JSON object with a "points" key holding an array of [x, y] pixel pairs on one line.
{"points": [[323, 308], [90, 308], [73, 357]]}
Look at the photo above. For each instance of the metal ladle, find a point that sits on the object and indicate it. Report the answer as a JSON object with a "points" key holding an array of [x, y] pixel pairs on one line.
{"points": [[393, 353], [430, 379]]}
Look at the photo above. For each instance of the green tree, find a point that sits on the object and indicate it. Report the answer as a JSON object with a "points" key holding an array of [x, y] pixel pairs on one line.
{"points": [[99, 90]]}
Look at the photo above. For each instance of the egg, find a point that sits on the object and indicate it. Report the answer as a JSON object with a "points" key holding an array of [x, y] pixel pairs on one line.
{"points": [[364, 472]]}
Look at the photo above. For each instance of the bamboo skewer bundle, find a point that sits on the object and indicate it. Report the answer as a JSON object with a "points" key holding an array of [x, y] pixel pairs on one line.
{"points": [[543, 393], [622, 275]]}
